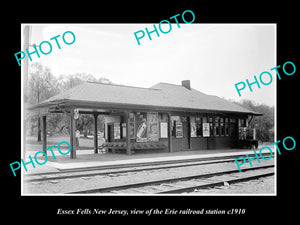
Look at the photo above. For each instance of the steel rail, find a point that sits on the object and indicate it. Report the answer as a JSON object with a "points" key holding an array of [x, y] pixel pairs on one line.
{"points": [[168, 165], [215, 183], [161, 181]]}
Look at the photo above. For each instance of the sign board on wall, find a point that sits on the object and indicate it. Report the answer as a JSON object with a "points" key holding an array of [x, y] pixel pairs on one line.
{"points": [[193, 130], [205, 129], [179, 132], [117, 131], [163, 130], [124, 130], [141, 124]]}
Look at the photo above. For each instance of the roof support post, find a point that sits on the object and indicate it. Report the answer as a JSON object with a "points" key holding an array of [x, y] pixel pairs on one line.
{"points": [[170, 133], [95, 133], [212, 143], [128, 147], [44, 118], [72, 135]]}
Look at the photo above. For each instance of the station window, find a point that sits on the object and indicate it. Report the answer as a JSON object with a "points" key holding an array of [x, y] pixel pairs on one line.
{"points": [[226, 126], [217, 126], [210, 121], [163, 117], [242, 122], [222, 128], [199, 126], [233, 126], [173, 125]]}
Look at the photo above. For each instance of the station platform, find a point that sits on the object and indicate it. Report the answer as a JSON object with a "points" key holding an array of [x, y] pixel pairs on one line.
{"points": [[86, 159]]}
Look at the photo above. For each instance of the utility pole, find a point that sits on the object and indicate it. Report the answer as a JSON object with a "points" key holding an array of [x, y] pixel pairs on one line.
{"points": [[24, 76]]}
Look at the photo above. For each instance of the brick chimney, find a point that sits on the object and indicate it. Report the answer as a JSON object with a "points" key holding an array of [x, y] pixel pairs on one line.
{"points": [[186, 84]]}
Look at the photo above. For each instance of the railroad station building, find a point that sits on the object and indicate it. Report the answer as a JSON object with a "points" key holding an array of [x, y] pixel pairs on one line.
{"points": [[165, 117]]}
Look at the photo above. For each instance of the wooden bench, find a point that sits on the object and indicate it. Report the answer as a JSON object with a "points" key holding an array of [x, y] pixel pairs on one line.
{"points": [[133, 146], [150, 145]]}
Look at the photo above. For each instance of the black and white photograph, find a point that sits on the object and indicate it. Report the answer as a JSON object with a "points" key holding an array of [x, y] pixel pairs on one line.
{"points": [[144, 109], [149, 111]]}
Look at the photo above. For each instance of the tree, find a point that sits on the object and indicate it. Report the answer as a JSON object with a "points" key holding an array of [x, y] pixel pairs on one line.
{"points": [[41, 85], [85, 124], [69, 81], [264, 124]]}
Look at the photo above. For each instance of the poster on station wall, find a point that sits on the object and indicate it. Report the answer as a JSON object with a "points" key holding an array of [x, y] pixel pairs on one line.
{"points": [[163, 130], [193, 130], [152, 126], [205, 128], [179, 132], [141, 124], [117, 133], [123, 130]]}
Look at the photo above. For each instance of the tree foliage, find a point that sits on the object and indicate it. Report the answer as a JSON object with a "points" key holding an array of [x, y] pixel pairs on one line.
{"points": [[42, 84], [264, 124]]}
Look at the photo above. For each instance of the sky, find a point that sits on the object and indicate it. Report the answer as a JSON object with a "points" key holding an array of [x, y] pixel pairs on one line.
{"points": [[214, 57]]}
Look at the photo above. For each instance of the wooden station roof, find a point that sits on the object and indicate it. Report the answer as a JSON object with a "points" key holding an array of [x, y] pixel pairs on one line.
{"points": [[162, 96]]}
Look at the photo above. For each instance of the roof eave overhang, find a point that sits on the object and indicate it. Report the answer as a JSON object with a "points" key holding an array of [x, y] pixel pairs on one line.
{"points": [[67, 103]]}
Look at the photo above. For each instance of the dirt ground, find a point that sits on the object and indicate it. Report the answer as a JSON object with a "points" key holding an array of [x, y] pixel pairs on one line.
{"points": [[262, 186], [33, 145]]}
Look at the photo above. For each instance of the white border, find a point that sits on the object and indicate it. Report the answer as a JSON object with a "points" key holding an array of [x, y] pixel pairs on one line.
{"points": [[22, 122]]}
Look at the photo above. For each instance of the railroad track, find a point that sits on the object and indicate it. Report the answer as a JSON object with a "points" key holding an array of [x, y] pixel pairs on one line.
{"points": [[185, 183], [119, 169]]}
